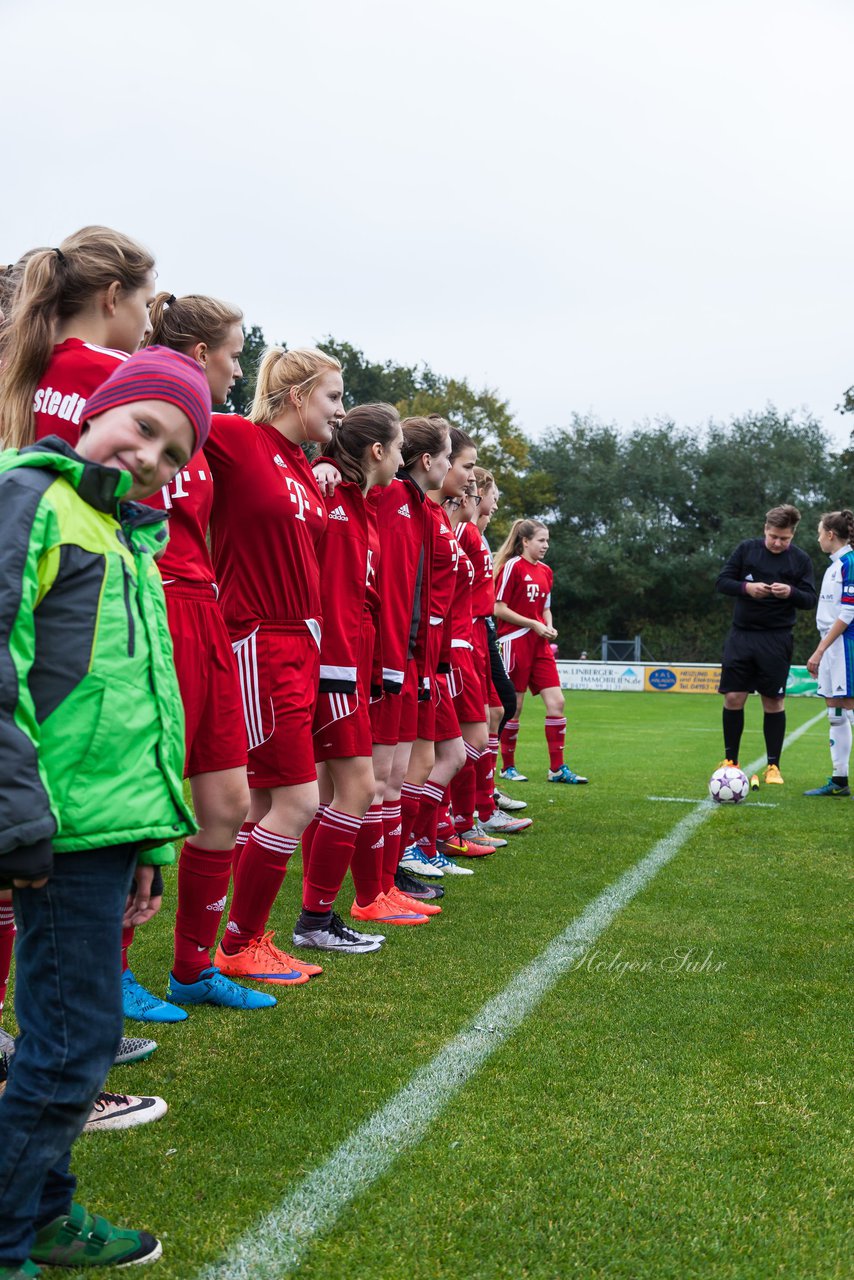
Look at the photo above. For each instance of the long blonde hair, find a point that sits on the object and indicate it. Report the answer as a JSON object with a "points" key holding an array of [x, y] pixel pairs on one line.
{"points": [[55, 285], [513, 544], [280, 371]]}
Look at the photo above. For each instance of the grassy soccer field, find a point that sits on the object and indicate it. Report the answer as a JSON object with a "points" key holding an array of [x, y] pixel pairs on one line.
{"points": [[676, 1105]]}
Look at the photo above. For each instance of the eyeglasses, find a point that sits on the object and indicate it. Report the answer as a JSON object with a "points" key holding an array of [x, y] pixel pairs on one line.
{"points": [[476, 499]]}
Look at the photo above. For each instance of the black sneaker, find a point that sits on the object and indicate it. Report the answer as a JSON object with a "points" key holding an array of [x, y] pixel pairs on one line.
{"points": [[416, 888], [337, 936], [133, 1049]]}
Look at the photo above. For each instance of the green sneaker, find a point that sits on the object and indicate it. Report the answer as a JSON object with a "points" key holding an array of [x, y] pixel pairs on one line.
{"points": [[81, 1239], [830, 788], [26, 1271]]}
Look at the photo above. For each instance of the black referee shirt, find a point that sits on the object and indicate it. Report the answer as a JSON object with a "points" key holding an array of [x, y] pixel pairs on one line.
{"points": [[753, 562]]}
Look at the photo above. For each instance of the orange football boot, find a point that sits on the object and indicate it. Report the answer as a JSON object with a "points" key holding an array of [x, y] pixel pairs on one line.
{"points": [[262, 961], [406, 903], [386, 911]]}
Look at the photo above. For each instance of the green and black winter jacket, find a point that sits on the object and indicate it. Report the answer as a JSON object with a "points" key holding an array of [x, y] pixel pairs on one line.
{"points": [[91, 722]]}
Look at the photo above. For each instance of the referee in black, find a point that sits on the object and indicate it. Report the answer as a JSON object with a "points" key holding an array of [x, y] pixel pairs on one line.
{"points": [[770, 579]]}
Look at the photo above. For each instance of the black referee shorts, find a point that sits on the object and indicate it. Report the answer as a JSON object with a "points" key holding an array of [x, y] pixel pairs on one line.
{"points": [[756, 661]]}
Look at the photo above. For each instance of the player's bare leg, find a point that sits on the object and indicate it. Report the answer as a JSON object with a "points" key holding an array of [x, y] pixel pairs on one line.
{"points": [[220, 803]]}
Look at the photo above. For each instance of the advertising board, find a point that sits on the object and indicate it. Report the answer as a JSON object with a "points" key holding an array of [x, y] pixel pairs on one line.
{"points": [[650, 677]]}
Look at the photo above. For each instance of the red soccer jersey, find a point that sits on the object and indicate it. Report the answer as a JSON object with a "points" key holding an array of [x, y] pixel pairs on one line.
{"points": [[461, 613], [526, 589], [372, 595], [477, 549], [76, 369], [444, 564], [446, 557], [403, 526], [267, 519], [188, 499], [348, 557]]}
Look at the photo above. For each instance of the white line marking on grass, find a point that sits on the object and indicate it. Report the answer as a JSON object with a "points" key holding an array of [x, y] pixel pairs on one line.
{"points": [[277, 1244], [675, 799], [754, 804]]}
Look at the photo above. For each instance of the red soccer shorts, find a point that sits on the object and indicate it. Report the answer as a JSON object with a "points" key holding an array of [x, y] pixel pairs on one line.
{"points": [[426, 714], [466, 686], [207, 677], [279, 668], [394, 716], [342, 721], [427, 706], [446, 724], [482, 661], [530, 662]]}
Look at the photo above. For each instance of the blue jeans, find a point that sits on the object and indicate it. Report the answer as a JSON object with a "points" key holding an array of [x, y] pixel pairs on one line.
{"points": [[68, 1003]]}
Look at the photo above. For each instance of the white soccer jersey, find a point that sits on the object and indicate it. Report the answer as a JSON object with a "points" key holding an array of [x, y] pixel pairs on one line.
{"points": [[836, 598]]}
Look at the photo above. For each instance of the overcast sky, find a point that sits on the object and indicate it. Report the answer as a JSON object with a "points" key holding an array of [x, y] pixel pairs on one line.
{"points": [[636, 208]]}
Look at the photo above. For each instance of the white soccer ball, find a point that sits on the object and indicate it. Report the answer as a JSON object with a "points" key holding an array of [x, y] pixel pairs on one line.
{"points": [[729, 785]]}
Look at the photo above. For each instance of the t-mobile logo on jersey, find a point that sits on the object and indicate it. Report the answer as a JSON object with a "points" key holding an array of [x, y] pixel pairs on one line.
{"points": [[171, 492], [299, 497], [369, 576], [533, 591]]}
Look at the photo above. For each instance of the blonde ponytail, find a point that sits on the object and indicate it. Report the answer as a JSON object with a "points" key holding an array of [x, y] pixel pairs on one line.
{"points": [[55, 285], [280, 371]]}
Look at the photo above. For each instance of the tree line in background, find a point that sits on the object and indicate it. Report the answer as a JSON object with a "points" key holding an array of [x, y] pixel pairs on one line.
{"points": [[640, 520]]}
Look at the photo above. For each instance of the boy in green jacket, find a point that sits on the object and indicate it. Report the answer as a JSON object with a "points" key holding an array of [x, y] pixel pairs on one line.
{"points": [[91, 758]]}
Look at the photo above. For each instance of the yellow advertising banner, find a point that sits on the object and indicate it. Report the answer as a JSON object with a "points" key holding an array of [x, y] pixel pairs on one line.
{"points": [[681, 679]]}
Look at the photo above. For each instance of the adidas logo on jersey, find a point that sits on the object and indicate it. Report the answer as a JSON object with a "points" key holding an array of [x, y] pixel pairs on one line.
{"points": [[279, 461], [219, 905], [339, 514], [528, 578], [404, 511]]}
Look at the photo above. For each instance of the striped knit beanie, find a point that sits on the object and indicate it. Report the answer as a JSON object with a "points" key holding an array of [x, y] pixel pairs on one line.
{"points": [[158, 373]]}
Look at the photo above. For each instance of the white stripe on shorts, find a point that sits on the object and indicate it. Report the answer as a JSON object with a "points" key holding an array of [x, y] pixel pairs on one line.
{"points": [[246, 653]]}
